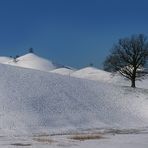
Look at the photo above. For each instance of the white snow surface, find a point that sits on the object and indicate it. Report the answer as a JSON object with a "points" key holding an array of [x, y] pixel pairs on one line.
{"points": [[58, 141], [4, 59], [117, 141], [32, 61], [33, 101], [63, 71], [98, 75], [92, 73]]}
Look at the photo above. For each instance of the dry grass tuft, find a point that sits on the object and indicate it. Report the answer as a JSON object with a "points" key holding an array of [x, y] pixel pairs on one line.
{"points": [[83, 137], [20, 144], [46, 140]]}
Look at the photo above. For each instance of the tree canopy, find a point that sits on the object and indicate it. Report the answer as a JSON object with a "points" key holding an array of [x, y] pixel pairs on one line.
{"points": [[128, 57]]}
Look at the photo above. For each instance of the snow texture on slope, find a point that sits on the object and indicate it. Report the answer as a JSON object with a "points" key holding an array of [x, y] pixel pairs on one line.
{"points": [[35, 101]]}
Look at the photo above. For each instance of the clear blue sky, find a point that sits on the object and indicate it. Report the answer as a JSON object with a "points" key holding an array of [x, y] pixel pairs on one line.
{"points": [[70, 32]]}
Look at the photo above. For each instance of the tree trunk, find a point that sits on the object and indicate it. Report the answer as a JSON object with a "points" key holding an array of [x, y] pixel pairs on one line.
{"points": [[133, 79], [133, 83]]}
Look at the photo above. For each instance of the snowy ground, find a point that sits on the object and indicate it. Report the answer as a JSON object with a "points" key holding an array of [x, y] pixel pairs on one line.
{"points": [[106, 140], [36, 105]]}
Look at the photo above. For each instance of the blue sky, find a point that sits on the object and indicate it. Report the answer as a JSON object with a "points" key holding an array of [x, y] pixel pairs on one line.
{"points": [[70, 32]]}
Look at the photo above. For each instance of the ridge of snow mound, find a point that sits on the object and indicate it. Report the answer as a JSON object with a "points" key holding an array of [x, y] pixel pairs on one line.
{"points": [[32, 61], [4, 59], [92, 73], [63, 71], [34, 101]]}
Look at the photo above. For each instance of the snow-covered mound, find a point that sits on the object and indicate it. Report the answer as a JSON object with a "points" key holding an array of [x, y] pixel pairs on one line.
{"points": [[5, 59], [63, 71], [32, 61], [92, 73], [35, 101], [99, 75]]}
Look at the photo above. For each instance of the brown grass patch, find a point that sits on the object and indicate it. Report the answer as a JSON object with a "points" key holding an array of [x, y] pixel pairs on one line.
{"points": [[83, 137], [46, 140], [21, 144]]}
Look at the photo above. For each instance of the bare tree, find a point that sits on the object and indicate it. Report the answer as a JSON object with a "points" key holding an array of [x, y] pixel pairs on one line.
{"points": [[31, 50], [91, 64], [128, 57]]}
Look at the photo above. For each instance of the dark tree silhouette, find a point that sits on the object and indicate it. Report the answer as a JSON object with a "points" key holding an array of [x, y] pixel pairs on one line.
{"points": [[31, 50], [91, 64], [15, 58], [128, 57]]}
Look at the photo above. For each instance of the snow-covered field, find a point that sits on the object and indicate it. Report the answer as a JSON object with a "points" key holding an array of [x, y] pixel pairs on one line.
{"points": [[42, 99], [138, 140]]}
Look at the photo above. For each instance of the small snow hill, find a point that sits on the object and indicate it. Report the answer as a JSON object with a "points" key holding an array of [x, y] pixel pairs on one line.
{"points": [[34, 101], [64, 71], [92, 73], [32, 61], [5, 59], [98, 75]]}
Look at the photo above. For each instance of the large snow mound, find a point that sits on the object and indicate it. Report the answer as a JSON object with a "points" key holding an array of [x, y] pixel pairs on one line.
{"points": [[32, 61], [35, 101]]}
